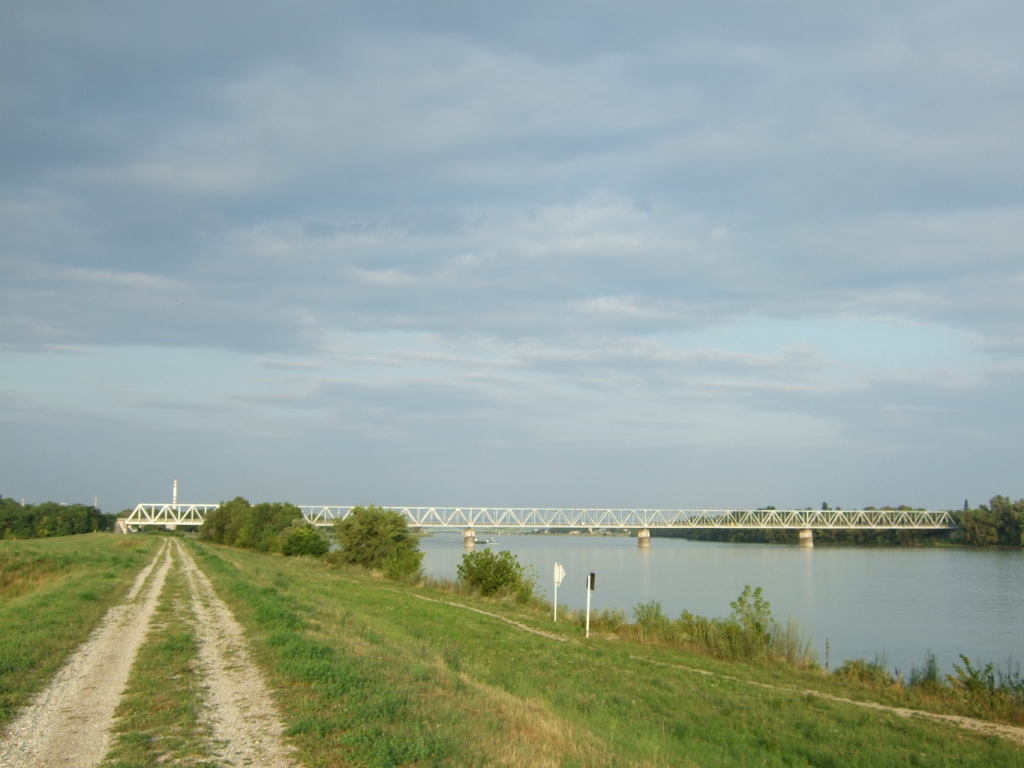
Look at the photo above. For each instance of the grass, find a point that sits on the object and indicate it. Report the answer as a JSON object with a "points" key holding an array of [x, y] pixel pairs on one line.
{"points": [[53, 593], [369, 674]]}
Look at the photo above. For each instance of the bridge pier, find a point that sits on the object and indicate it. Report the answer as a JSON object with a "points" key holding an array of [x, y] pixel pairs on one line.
{"points": [[806, 537], [469, 538], [643, 538]]}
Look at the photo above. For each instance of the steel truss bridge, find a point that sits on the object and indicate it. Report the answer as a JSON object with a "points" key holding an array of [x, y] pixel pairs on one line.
{"points": [[174, 515]]}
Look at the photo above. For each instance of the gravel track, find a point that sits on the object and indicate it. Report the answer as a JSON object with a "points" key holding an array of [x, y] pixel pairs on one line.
{"points": [[247, 730], [68, 725]]}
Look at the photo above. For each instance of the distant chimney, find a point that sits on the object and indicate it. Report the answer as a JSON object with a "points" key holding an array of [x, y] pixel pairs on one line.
{"points": [[174, 497]]}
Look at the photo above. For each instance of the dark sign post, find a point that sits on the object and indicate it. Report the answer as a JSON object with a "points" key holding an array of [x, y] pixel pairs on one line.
{"points": [[590, 588]]}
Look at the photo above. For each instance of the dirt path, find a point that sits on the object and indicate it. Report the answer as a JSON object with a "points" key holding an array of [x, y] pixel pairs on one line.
{"points": [[69, 725], [246, 727], [512, 622]]}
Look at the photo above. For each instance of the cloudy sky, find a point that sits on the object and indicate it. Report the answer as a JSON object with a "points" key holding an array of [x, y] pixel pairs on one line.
{"points": [[559, 253]]}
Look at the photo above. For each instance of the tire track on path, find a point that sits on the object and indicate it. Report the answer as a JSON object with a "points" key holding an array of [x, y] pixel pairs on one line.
{"points": [[69, 724], [247, 729]]}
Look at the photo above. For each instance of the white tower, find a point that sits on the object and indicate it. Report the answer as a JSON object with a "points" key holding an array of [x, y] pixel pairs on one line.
{"points": [[174, 496]]}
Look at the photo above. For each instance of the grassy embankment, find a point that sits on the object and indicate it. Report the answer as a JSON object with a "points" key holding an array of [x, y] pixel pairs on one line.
{"points": [[368, 673], [53, 592]]}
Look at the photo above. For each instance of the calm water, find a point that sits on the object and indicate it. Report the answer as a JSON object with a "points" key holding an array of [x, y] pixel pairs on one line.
{"points": [[868, 603]]}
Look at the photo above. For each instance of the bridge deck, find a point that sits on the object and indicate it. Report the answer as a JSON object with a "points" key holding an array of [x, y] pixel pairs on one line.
{"points": [[543, 518]]}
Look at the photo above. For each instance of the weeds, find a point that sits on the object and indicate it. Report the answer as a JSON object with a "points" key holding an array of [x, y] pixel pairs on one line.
{"points": [[926, 677], [749, 634], [874, 674], [986, 691], [651, 622]]}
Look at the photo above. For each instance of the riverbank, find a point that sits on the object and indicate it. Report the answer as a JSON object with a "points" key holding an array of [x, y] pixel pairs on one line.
{"points": [[437, 678], [887, 604], [366, 672], [370, 673]]}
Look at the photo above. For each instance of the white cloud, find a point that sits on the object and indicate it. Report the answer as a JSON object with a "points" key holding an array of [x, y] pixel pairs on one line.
{"points": [[625, 232]]}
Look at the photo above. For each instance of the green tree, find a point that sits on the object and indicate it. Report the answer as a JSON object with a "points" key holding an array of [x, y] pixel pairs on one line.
{"points": [[1001, 522], [378, 539], [238, 523], [1010, 517], [221, 525]]}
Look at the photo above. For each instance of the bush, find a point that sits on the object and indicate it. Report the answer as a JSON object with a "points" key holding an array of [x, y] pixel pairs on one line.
{"points": [[974, 679], [491, 574], [379, 539], [404, 565], [303, 539]]}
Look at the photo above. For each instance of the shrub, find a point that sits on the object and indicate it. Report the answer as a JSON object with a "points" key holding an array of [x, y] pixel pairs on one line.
{"points": [[753, 614], [379, 539], [404, 565], [303, 539], [491, 573], [974, 679]]}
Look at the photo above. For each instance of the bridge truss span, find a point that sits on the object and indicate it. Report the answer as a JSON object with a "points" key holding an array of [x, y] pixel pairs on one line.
{"points": [[525, 518]]}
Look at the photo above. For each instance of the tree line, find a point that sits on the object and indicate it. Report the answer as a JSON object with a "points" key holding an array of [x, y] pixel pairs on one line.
{"points": [[998, 523], [38, 521], [1001, 522], [264, 527]]}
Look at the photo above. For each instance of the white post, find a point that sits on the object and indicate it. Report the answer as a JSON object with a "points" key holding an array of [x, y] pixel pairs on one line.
{"points": [[590, 588], [559, 575]]}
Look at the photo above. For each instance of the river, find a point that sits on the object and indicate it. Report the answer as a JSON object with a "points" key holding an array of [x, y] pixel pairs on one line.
{"points": [[886, 604]]}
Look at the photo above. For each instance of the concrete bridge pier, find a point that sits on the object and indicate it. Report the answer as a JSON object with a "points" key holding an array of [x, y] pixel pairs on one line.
{"points": [[806, 537], [643, 538], [469, 538]]}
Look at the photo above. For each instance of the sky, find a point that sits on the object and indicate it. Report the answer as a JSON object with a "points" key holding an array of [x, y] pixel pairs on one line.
{"points": [[668, 255]]}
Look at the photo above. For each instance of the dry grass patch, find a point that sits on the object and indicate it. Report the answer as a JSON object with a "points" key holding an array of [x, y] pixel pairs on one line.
{"points": [[528, 734]]}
